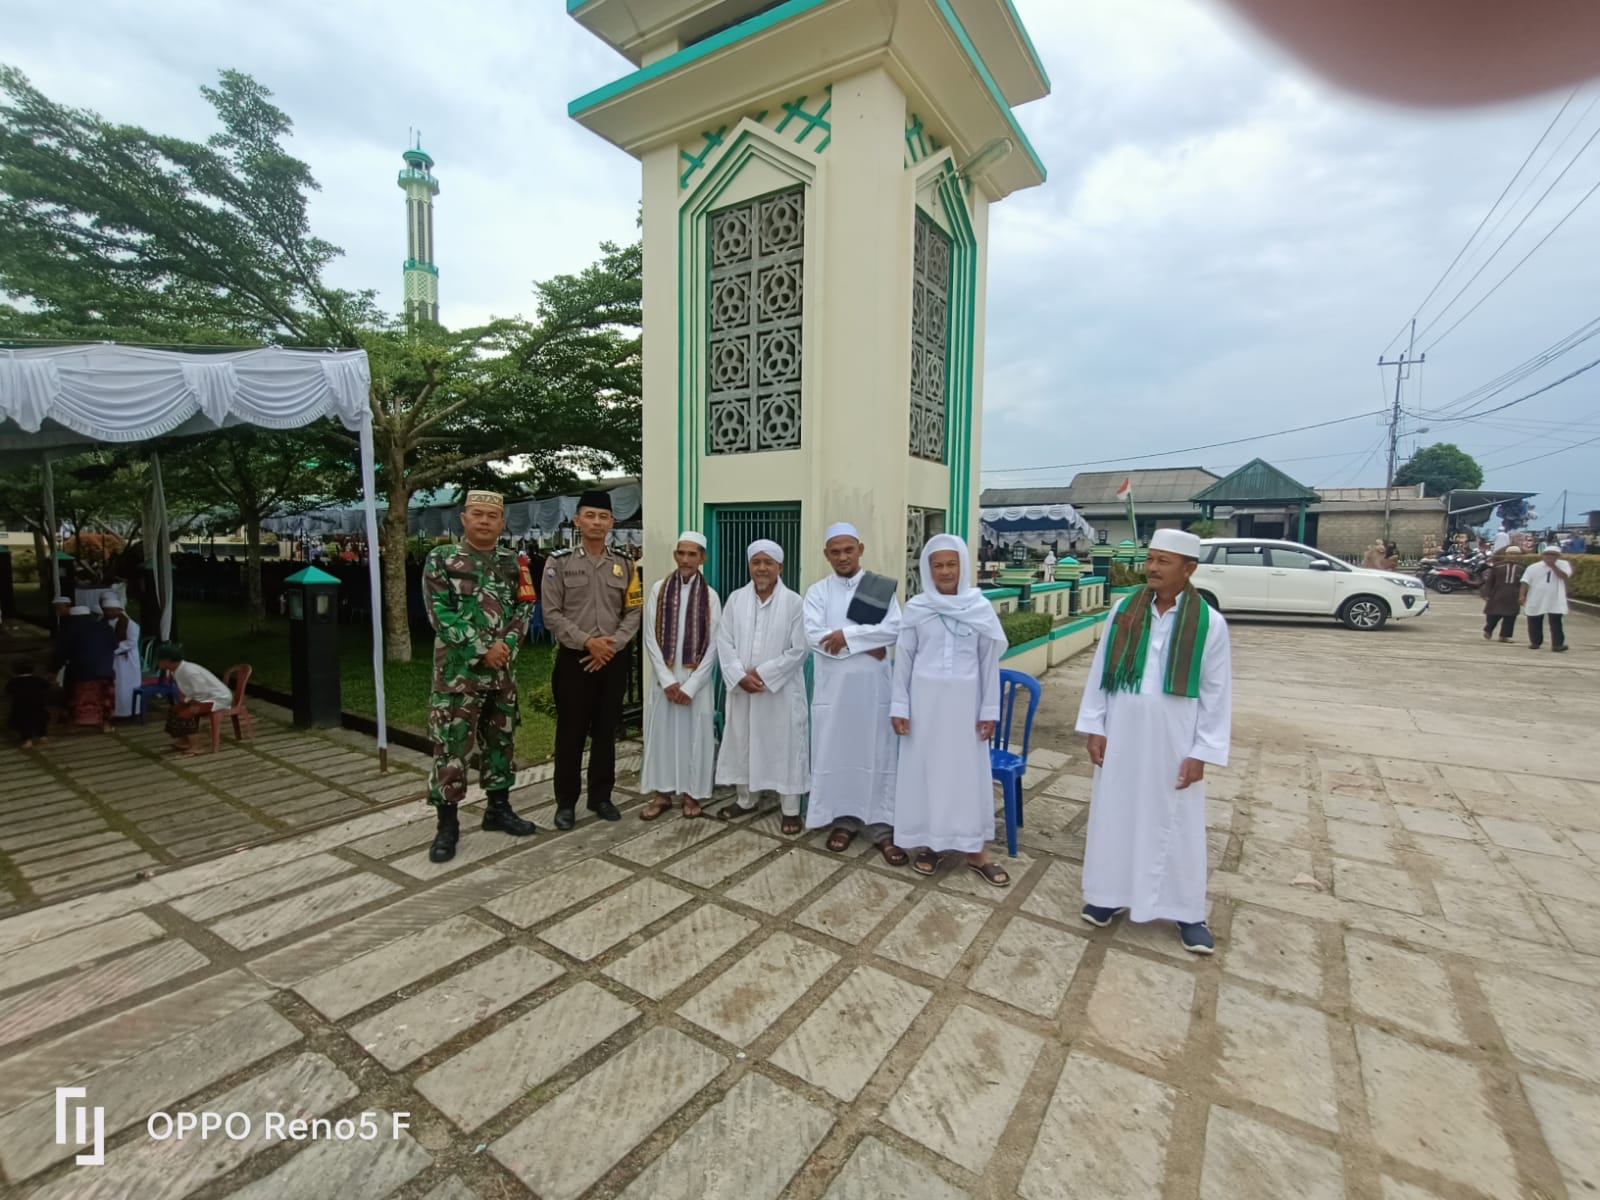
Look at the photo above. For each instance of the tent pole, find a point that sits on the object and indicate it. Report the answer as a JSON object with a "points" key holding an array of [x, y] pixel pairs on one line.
{"points": [[51, 531], [375, 584], [163, 545]]}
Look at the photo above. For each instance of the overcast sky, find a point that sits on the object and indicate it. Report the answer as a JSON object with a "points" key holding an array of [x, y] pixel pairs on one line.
{"points": [[1223, 248]]}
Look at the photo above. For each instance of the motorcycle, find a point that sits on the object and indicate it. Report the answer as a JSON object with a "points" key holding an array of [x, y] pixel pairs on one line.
{"points": [[1449, 573]]}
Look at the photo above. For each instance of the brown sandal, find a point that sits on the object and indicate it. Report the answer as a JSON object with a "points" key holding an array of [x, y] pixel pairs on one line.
{"points": [[732, 812], [993, 873], [791, 826], [692, 808], [839, 840], [657, 806], [925, 863], [892, 854]]}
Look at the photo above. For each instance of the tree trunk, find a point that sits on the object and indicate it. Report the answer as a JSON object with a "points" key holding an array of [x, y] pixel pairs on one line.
{"points": [[252, 573], [396, 609]]}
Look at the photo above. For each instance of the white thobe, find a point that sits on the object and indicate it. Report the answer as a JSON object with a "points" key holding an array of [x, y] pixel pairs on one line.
{"points": [[1547, 589], [944, 684], [764, 733], [853, 747], [1146, 847], [680, 744], [1049, 568], [126, 673]]}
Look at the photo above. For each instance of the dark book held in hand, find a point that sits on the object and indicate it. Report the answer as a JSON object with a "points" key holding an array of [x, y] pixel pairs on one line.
{"points": [[872, 599]]}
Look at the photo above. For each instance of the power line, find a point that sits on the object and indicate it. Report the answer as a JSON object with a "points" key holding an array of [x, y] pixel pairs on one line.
{"points": [[1095, 462], [1550, 454], [1521, 371], [1529, 396]]}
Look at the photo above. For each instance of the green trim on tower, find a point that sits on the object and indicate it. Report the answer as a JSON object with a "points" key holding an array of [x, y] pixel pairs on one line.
{"points": [[696, 161], [792, 110], [919, 143], [961, 338], [960, 31]]}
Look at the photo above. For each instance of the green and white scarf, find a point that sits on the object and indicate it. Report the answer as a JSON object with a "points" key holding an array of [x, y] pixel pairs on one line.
{"points": [[1130, 645]]}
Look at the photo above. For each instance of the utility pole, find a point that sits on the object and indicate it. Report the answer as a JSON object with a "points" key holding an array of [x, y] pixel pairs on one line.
{"points": [[1399, 364]]}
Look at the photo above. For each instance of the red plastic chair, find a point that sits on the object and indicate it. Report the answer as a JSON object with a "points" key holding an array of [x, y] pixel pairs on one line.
{"points": [[236, 677]]}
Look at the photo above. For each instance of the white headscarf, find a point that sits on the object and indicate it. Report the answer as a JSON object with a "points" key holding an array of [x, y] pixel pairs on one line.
{"points": [[765, 546], [968, 606]]}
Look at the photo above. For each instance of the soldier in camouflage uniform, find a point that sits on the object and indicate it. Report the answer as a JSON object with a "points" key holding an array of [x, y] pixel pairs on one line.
{"points": [[479, 599]]}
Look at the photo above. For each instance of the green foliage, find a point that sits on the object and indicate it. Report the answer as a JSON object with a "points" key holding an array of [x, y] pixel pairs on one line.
{"points": [[1443, 467], [1020, 627], [1122, 575], [1585, 582], [1205, 527]]}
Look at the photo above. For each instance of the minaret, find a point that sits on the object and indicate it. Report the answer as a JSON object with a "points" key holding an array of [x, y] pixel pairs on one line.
{"points": [[421, 276]]}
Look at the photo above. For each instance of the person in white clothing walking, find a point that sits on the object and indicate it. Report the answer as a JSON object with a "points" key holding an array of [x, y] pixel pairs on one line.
{"points": [[1049, 566], [1544, 594], [852, 618], [1156, 710], [680, 630]]}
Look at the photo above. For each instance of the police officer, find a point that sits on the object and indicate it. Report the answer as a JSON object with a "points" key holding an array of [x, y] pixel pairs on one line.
{"points": [[479, 598], [592, 604]]}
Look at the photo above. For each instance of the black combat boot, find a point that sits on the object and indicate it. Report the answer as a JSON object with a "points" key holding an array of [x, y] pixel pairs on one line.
{"points": [[444, 841], [498, 816]]}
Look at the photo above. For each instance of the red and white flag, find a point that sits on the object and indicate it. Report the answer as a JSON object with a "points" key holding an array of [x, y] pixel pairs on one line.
{"points": [[1125, 494]]}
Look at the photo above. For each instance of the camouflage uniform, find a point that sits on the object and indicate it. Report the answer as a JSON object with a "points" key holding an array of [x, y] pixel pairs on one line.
{"points": [[471, 598]]}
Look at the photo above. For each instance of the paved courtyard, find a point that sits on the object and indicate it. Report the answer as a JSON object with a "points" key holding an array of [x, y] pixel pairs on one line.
{"points": [[1404, 1003]]}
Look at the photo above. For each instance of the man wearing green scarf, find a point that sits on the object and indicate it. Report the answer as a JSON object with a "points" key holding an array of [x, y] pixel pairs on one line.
{"points": [[1157, 708]]}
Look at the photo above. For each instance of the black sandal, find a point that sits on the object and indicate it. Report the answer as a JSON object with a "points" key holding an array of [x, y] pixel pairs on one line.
{"points": [[732, 811], [925, 863], [791, 826], [993, 873], [892, 854]]}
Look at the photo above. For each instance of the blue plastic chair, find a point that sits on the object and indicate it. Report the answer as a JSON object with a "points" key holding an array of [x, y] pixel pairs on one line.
{"points": [[155, 683], [1005, 764]]}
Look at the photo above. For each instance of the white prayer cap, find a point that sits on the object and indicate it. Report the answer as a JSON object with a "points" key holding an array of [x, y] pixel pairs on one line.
{"points": [[78, 610], [110, 600], [840, 529], [1177, 541], [689, 535], [765, 546], [1550, 548]]}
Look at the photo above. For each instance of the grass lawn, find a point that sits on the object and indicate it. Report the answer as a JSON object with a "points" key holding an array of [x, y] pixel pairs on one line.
{"points": [[214, 636]]}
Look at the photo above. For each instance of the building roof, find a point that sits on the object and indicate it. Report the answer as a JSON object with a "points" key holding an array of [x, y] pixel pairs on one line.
{"points": [[1154, 486], [1257, 482], [1012, 497], [1361, 495]]}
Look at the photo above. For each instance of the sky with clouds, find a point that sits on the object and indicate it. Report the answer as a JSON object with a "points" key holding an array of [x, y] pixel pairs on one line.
{"points": [[1224, 247]]}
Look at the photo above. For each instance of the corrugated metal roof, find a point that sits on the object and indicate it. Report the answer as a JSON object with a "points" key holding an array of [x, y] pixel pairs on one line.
{"points": [[1015, 497], [1158, 486], [1257, 482]]}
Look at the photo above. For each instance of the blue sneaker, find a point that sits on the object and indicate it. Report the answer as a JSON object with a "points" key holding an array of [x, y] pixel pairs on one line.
{"points": [[1196, 938], [1100, 917]]}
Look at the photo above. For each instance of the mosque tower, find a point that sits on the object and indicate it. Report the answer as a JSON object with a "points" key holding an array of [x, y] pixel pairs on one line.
{"points": [[421, 275]]}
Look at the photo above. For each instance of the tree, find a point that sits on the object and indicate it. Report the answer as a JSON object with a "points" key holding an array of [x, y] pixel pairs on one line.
{"points": [[1443, 467]]}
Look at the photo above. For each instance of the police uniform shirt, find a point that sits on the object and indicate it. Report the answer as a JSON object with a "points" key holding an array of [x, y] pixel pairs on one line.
{"points": [[586, 596]]}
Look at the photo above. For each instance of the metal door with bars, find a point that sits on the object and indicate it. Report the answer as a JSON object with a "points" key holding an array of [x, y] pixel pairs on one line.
{"points": [[732, 527]]}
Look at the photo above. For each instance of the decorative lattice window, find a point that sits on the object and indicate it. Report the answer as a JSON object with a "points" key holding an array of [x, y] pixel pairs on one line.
{"points": [[930, 338], [921, 524], [756, 294]]}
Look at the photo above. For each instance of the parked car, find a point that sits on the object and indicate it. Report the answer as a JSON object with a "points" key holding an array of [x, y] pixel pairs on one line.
{"points": [[1260, 575]]}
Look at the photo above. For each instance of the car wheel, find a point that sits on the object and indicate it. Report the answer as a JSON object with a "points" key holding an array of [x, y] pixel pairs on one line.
{"points": [[1364, 613], [1211, 600], [1444, 586]]}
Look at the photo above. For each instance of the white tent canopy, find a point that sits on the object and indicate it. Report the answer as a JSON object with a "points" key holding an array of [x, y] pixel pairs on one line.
{"points": [[1035, 525], [68, 397]]}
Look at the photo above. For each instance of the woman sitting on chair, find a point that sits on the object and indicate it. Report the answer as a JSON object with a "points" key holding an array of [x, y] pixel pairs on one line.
{"points": [[199, 692]]}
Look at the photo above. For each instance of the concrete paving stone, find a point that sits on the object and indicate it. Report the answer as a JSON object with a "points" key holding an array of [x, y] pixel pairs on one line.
{"points": [[264, 885], [476, 845], [307, 1086], [1141, 1007], [131, 1090], [1547, 1022], [681, 951], [358, 1170], [36, 925], [1489, 906], [1259, 1036], [1394, 1189], [1058, 896], [1458, 859], [599, 926], [24, 1014], [1569, 878], [1579, 922], [722, 858], [1219, 814], [76, 949], [1409, 989], [1291, 801], [556, 893], [1246, 1160], [1031, 967], [1274, 949], [841, 1045], [108, 837], [341, 990], [201, 819], [1386, 887], [46, 833], [1351, 839], [1523, 835], [1460, 1140], [1437, 822], [1067, 787], [1587, 841], [393, 841], [1050, 760], [317, 953], [1570, 1121], [517, 1058], [1104, 1135], [742, 1002], [404, 1032], [956, 877], [1273, 861], [877, 1172], [669, 836], [199, 847], [290, 802], [452, 1189], [283, 917], [960, 1095], [615, 1113], [934, 935], [1355, 809], [747, 1146], [784, 882], [1289, 829], [854, 906], [335, 811], [71, 861]]}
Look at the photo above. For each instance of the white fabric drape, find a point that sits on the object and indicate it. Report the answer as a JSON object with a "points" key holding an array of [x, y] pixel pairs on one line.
{"points": [[369, 472], [51, 531]]}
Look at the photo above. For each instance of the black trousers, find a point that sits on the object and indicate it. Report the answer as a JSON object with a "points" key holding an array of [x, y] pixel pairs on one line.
{"points": [[1558, 635], [588, 709], [1508, 625]]}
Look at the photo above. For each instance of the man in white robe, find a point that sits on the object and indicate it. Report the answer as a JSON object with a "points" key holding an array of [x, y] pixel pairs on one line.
{"points": [[853, 751], [1155, 715], [127, 675], [1049, 566], [1544, 594], [761, 647], [680, 630]]}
